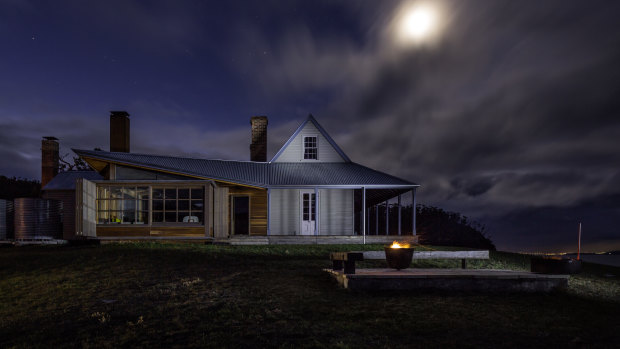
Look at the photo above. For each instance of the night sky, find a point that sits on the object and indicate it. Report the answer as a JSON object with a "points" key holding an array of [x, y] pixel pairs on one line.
{"points": [[508, 112]]}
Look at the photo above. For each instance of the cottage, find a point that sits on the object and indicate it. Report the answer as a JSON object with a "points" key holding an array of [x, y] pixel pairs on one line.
{"points": [[310, 192]]}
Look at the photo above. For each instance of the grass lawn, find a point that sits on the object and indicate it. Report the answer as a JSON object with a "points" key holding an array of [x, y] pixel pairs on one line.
{"points": [[190, 295]]}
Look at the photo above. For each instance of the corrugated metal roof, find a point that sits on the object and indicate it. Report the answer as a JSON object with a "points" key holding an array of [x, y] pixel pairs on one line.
{"points": [[66, 180], [243, 172], [321, 173], [261, 174]]}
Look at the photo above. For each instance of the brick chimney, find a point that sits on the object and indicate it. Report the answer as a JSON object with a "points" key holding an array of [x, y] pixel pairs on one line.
{"points": [[119, 131], [49, 159], [258, 148]]}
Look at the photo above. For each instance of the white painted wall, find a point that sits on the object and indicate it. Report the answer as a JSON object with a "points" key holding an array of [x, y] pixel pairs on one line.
{"points": [[294, 152], [336, 212], [284, 212]]}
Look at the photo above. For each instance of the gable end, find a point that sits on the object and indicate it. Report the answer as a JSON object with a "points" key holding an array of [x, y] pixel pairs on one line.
{"points": [[294, 149]]}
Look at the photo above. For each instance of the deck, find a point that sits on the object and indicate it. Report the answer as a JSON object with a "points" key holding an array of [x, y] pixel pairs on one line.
{"points": [[469, 280], [315, 239]]}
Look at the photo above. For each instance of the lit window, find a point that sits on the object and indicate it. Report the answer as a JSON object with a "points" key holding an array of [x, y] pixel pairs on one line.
{"points": [[177, 205], [310, 149], [122, 205], [130, 205]]}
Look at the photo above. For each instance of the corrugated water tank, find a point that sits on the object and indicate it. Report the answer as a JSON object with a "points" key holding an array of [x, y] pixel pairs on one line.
{"points": [[6, 219], [37, 219]]}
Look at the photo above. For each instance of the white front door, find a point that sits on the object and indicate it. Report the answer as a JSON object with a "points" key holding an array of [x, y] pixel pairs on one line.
{"points": [[308, 212]]}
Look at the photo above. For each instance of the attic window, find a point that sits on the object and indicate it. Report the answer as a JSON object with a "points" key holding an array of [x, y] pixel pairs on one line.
{"points": [[310, 149]]}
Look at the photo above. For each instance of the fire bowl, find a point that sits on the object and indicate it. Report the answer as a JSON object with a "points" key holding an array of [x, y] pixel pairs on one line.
{"points": [[550, 265], [398, 258]]}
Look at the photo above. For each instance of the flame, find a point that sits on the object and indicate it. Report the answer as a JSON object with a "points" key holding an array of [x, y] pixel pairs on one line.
{"points": [[395, 244]]}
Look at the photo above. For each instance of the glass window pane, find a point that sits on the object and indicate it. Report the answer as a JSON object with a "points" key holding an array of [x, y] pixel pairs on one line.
{"points": [[183, 193], [103, 217], [197, 193], [197, 205], [102, 205], [183, 205], [171, 205], [116, 193], [143, 217], [129, 193], [171, 193], [158, 217], [129, 205], [103, 193], [142, 193], [158, 193], [115, 205], [198, 216], [129, 216], [158, 205], [116, 216], [143, 205], [185, 217], [170, 216]]}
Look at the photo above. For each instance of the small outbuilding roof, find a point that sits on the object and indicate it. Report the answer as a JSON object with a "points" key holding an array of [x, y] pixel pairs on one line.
{"points": [[66, 180], [258, 174]]}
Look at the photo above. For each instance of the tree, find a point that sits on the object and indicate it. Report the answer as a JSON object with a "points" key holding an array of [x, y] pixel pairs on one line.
{"points": [[11, 188], [438, 227], [77, 164]]}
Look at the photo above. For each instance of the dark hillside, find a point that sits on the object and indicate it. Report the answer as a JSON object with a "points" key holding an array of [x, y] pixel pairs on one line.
{"points": [[438, 227]]}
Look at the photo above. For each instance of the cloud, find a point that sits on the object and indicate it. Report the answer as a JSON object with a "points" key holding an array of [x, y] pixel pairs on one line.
{"points": [[511, 115], [515, 108]]}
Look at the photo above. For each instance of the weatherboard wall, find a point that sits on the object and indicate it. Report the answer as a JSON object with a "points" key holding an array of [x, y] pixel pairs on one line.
{"points": [[336, 212], [284, 212], [294, 152]]}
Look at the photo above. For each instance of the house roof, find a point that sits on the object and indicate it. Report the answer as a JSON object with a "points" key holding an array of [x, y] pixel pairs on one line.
{"points": [[258, 174], [318, 126], [66, 180]]}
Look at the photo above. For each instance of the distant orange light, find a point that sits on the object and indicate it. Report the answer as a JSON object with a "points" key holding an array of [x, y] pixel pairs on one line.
{"points": [[395, 244]]}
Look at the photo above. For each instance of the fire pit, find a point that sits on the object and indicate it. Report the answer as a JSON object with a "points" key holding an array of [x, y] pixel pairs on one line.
{"points": [[398, 256]]}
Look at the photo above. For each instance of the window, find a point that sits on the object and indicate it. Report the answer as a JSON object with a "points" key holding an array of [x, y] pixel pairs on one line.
{"points": [[309, 207], [178, 205], [122, 205], [310, 149]]}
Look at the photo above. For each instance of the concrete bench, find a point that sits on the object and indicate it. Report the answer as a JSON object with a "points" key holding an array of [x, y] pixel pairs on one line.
{"points": [[462, 255], [349, 258]]}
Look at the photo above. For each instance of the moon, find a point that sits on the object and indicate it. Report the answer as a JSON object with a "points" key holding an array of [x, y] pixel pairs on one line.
{"points": [[417, 24]]}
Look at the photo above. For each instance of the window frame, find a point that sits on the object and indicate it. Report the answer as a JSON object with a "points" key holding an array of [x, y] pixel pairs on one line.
{"points": [[316, 147], [104, 207], [189, 199], [119, 207]]}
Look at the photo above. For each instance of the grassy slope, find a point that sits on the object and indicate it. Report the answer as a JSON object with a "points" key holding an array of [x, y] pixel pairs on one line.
{"points": [[273, 296]]}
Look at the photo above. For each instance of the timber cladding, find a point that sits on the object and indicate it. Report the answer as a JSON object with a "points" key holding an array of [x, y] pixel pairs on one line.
{"points": [[258, 207], [133, 230]]}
